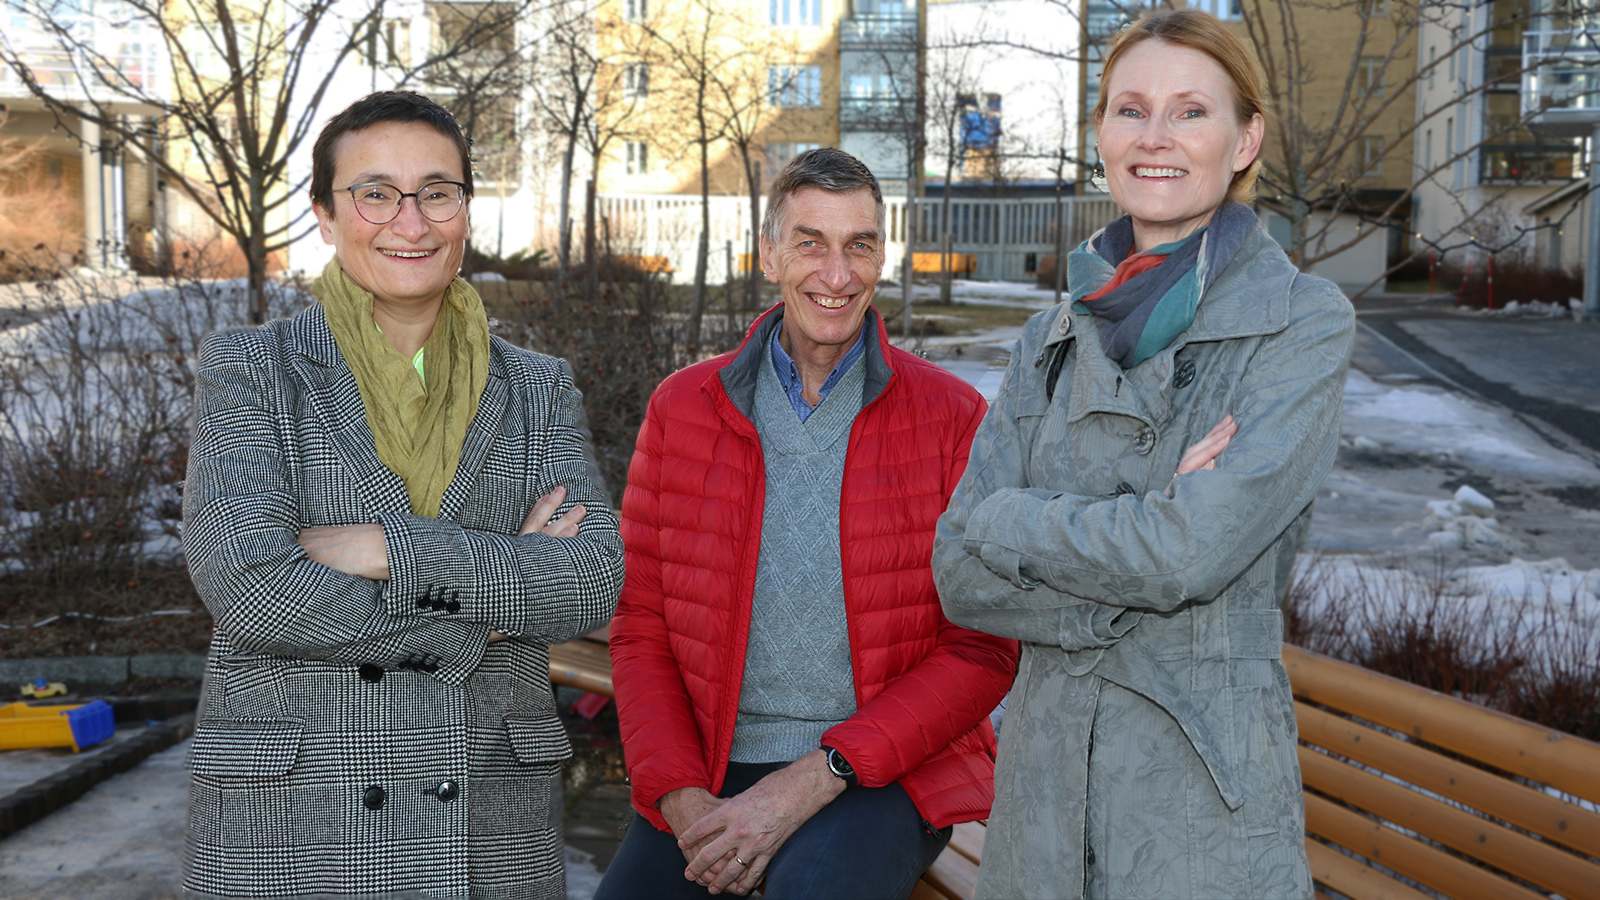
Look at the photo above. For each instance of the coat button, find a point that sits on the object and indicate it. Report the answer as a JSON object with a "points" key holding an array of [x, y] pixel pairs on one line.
{"points": [[422, 603], [1145, 443], [1088, 855], [1184, 375], [452, 606], [446, 791], [373, 797], [1064, 324], [371, 672]]}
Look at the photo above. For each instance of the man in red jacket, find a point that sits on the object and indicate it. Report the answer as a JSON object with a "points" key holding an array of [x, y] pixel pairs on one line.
{"points": [[794, 705]]}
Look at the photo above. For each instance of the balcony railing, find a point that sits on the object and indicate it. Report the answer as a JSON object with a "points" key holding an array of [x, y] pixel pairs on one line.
{"points": [[876, 113], [859, 32], [1561, 82], [100, 57]]}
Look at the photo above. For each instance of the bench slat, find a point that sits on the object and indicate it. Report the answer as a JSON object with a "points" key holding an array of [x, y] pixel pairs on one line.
{"points": [[1551, 817], [1527, 858], [1549, 757], [1408, 856], [966, 838], [1354, 878], [926, 891], [953, 874], [585, 665]]}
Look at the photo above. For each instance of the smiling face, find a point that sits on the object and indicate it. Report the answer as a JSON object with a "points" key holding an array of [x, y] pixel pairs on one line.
{"points": [[407, 262], [827, 257], [1171, 139]]}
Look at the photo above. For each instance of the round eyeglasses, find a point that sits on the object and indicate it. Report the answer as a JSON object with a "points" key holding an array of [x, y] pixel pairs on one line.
{"points": [[379, 203]]}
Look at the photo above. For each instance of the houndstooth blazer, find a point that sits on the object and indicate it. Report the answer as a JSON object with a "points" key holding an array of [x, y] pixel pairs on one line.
{"points": [[358, 737]]}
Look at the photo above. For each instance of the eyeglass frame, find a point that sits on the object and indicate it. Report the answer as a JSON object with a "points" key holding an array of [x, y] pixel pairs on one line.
{"points": [[461, 200]]}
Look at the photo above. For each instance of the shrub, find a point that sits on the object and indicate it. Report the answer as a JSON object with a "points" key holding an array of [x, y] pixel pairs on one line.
{"points": [[1528, 647]]}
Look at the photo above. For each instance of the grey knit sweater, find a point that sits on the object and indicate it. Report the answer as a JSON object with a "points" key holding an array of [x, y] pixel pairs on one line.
{"points": [[798, 681]]}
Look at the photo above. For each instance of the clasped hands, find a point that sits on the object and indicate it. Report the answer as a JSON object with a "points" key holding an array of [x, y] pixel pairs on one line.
{"points": [[360, 549], [730, 842]]}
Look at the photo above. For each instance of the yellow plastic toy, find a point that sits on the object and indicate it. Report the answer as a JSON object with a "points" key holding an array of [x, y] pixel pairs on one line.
{"points": [[41, 689], [78, 725]]}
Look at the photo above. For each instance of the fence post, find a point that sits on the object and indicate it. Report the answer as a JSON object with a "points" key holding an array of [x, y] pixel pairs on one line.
{"points": [[1489, 280], [1465, 277]]}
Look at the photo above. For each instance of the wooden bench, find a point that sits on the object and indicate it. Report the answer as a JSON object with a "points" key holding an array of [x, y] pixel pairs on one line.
{"points": [[933, 263], [1403, 786], [659, 265]]}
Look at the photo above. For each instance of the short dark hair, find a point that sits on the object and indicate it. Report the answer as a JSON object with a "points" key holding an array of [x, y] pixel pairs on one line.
{"points": [[374, 109], [826, 168]]}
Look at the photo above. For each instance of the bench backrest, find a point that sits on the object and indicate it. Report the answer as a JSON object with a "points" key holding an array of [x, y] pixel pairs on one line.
{"points": [[1401, 780]]}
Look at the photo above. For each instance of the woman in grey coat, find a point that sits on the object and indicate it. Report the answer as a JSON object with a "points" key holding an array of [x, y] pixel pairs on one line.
{"points": [[1134, 502], [390, 516]]}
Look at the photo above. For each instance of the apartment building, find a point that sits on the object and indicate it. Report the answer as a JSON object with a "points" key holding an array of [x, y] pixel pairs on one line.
{"points": [[112, 194], [792, 74], [1486, 175]]}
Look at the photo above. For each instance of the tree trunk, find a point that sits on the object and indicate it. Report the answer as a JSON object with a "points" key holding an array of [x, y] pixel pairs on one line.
{"points": [[591, 263], [752, 284], [698, 307], [945, 244], [564, 221], [256, 252]]}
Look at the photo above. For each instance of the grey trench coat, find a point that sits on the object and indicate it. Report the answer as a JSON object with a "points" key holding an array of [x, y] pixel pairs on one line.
{"points": [[1148, 750], [359, 737]]}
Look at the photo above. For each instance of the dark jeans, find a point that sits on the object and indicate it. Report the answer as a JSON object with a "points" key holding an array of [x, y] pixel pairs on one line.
{"points": [[869, 843]]}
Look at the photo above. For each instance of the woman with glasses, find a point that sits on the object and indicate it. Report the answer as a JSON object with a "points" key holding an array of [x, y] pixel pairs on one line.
{"points": [[389, 514]]}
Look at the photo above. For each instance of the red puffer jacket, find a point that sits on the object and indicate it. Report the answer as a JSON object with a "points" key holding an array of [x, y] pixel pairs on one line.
{"points": [[692, 528]]}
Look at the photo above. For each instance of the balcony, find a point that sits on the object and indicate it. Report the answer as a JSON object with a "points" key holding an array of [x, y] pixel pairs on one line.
{"points": [[876, 113], [870, 32], [1561, 82], [124, 59]]}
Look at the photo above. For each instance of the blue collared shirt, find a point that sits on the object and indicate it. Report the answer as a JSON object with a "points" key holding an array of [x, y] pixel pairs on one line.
{"points": [[789, 374]]}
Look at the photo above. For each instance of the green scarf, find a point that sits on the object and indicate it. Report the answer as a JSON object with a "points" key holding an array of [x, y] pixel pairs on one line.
{"points": [[418, 428]]}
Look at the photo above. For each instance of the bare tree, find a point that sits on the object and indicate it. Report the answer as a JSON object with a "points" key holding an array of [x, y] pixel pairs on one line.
{"points": [[243, 94]]}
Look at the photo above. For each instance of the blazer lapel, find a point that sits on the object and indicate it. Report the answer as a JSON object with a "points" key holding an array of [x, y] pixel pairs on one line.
{"points": [[333, 397], [480, 435]]}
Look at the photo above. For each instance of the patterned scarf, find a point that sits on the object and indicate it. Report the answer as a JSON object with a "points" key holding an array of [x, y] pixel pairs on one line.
{"points": [[1145, 309], [418, 428]]}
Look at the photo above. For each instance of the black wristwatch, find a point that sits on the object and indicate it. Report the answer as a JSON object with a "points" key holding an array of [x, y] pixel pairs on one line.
{"points": [[841, 767]]}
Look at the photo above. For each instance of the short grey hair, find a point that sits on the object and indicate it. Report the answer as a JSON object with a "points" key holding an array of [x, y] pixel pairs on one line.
{"points": [[828, 169]]}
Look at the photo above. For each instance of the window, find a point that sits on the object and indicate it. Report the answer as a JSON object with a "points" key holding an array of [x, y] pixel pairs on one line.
{"points": [[481, 28], [794, 12], [1369, 75], [1371, 155], [635, 10], [794, 87], [636, 80], [1376, 9], [1427, 150], [781, 153], [1433, 68], [638, 157], [1222, 9], [388, 43]]}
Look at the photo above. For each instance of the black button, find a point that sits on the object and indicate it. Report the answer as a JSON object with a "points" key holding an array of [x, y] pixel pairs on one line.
{"points": [[438, 605], [371, 672], [431, 665], [1184, 376], [422, 603], [373, 797], [1088, 855], [1125, 488], [446, 791], [452, 606]]}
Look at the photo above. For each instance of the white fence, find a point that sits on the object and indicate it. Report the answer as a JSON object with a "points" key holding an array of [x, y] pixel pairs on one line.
{"points": [[1007, 237]]}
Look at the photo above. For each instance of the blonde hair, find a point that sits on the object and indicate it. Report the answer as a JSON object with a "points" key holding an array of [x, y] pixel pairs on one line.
{"points": [[1203, 32]]}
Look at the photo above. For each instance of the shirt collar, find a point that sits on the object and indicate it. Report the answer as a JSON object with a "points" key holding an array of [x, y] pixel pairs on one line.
{"points": [[789, 373]]}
